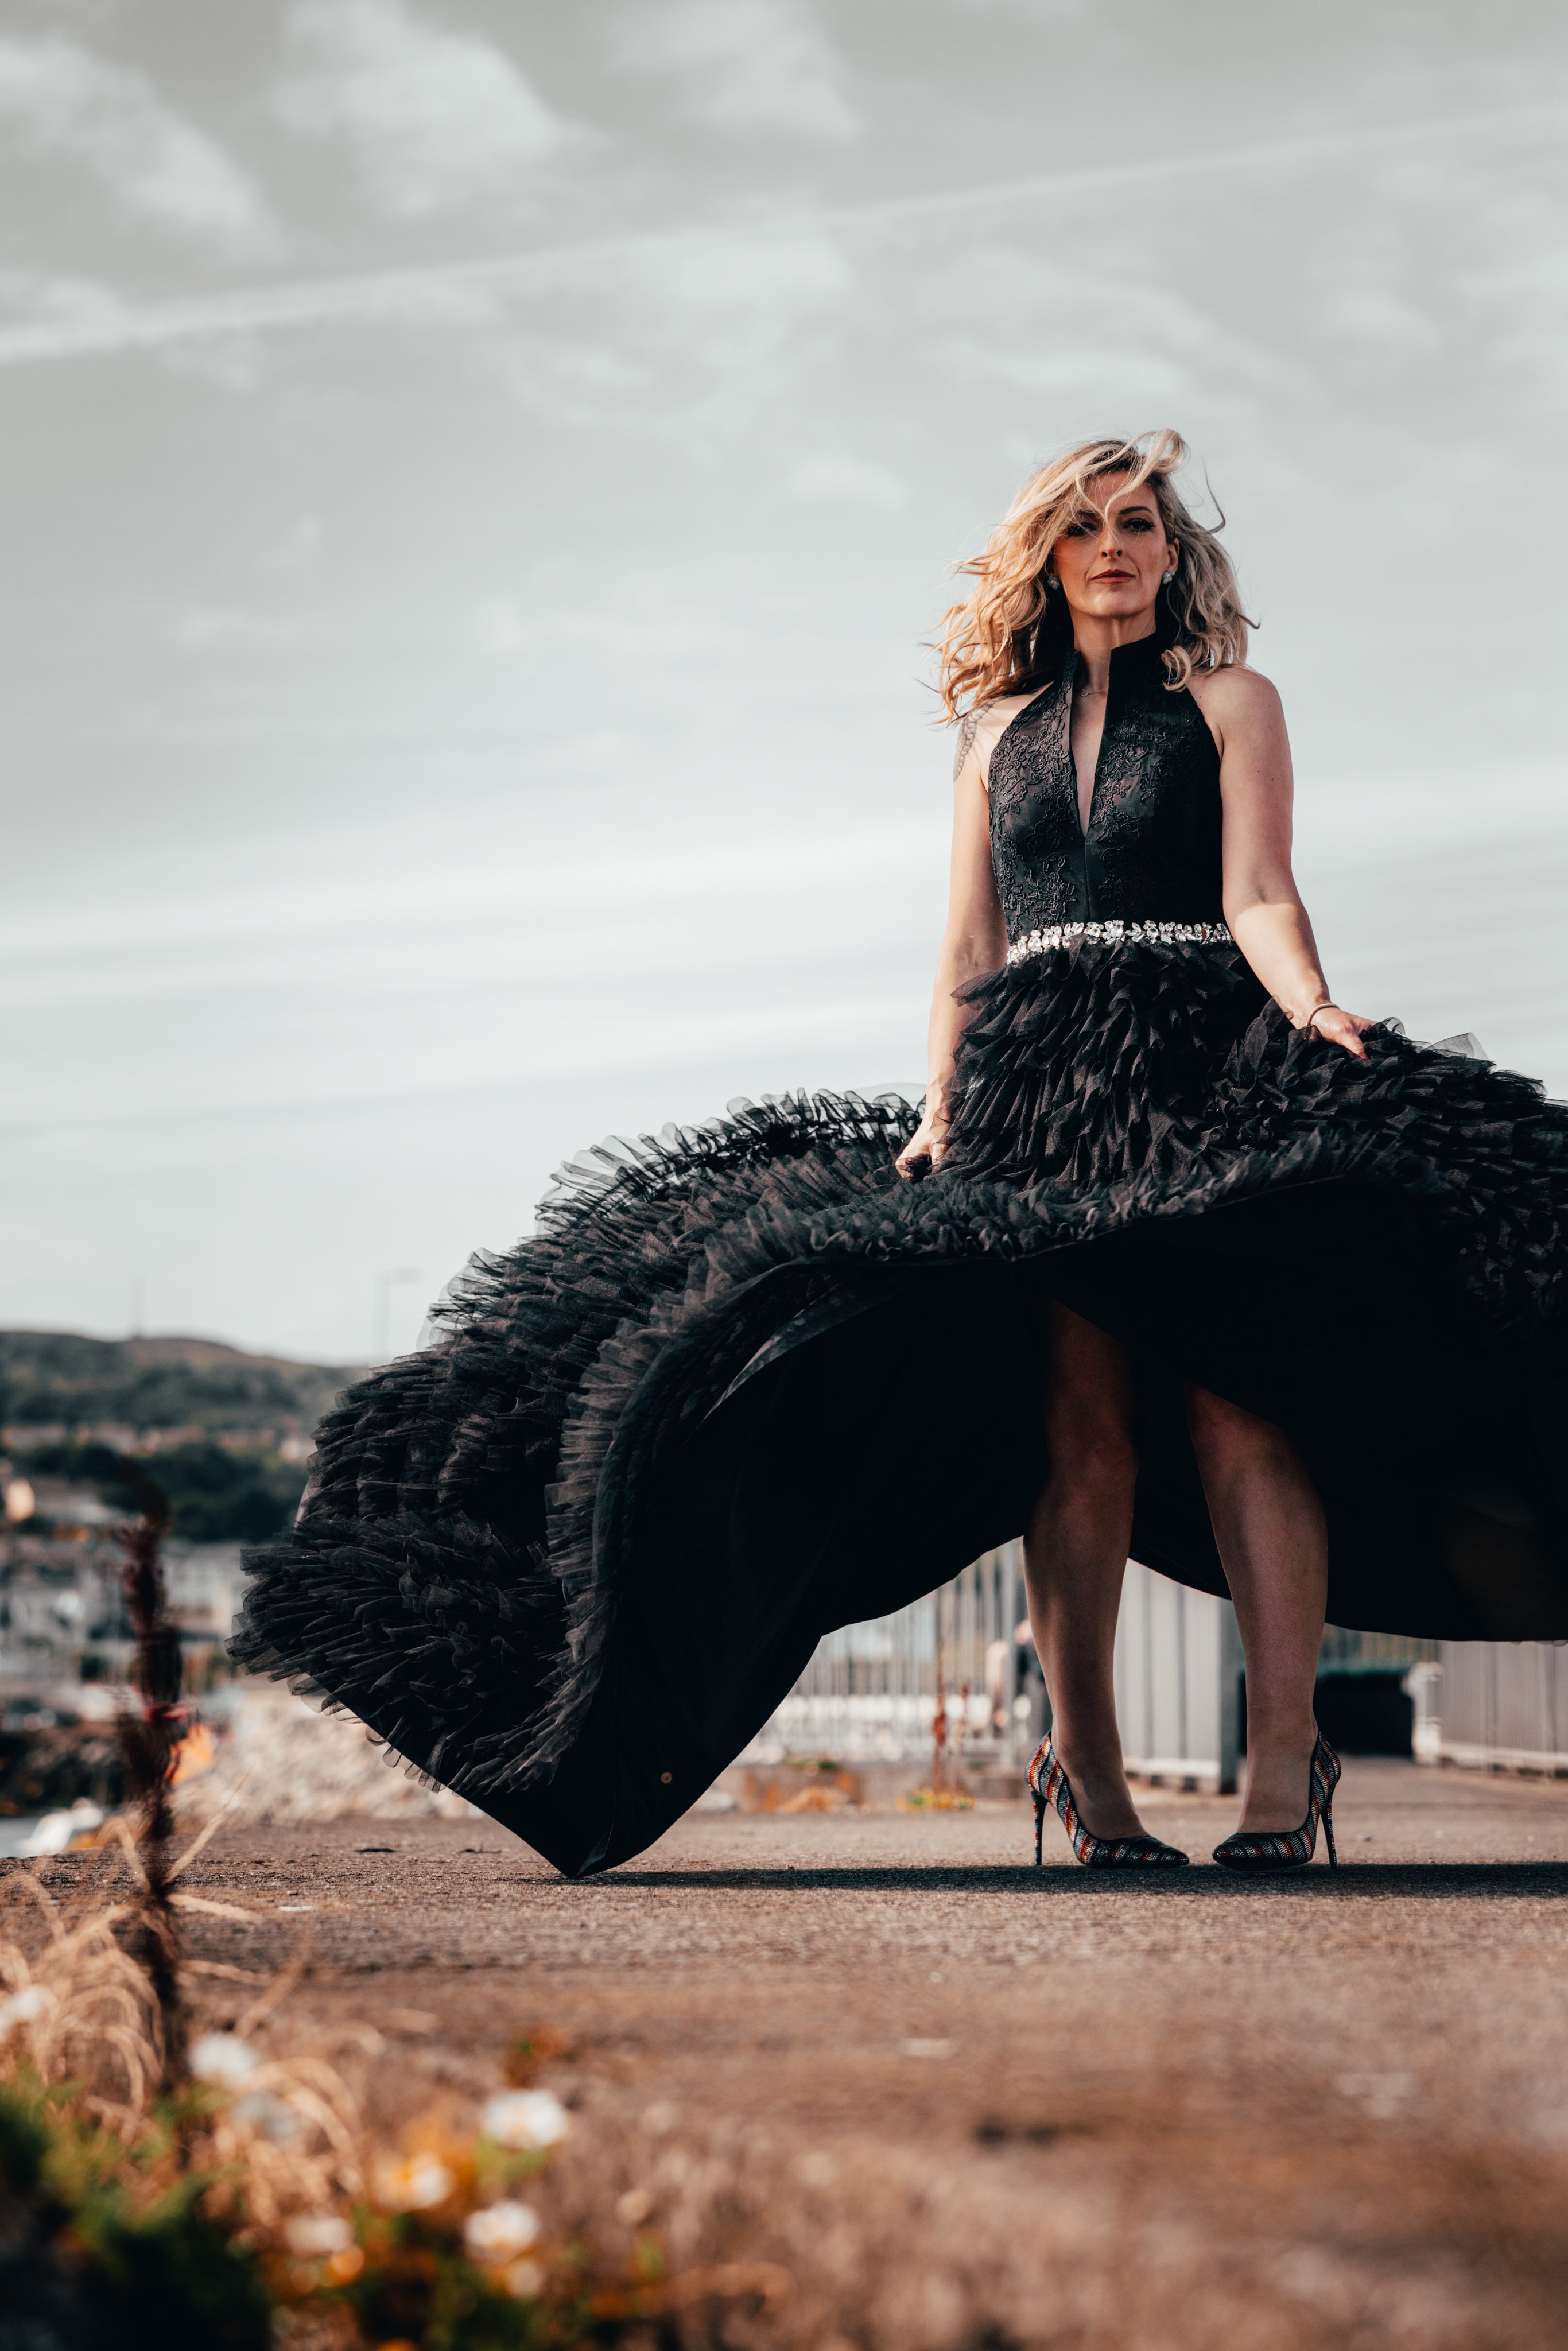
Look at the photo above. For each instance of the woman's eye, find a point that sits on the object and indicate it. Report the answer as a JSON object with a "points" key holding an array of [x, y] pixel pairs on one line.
{"points": [[1139, 522], [1075, 531]]}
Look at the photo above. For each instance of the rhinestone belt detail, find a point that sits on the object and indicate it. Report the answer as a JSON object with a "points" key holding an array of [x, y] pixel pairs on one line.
{"points": [[1162, 934]]}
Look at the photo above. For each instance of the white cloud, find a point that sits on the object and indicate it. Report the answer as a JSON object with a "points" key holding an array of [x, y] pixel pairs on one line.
{"points": [[844, 481], [45, 1249], [66, 102], [49, 313], [1381, 320], [1100, 372], [500, 627], [1092, 342], [1032, 12], [437, 120], [211, 629], [297, 546], [738, 329], [746, 65]]}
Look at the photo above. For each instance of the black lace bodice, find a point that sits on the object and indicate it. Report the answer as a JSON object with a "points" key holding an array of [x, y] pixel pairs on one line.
{"points": [[1152, 849]]}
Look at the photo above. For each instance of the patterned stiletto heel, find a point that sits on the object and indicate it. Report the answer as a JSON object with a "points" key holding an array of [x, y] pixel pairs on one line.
{"points": [[1049, 1785], [1261, 1849]]}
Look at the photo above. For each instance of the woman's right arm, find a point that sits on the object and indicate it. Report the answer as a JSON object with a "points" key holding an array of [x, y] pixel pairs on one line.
{"points": [[974, 941]]}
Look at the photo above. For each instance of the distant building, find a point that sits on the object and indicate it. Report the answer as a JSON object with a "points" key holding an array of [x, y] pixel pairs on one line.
{"points": [[204, 1581], [62, 1610]]}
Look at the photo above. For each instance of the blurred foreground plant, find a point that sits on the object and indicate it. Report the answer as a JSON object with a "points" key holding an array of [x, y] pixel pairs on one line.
{"points": [[105, 2238], [222, 2193]]}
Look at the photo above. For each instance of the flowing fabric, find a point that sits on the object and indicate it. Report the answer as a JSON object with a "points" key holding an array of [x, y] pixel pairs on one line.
{"points": [[744, 1384]]}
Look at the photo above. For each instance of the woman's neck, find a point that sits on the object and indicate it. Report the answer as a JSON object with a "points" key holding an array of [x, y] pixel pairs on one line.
{"points": [[1097, 639]]}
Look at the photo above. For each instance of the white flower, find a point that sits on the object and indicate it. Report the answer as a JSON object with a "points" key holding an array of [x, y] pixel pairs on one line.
{"points": [[267, 2116], [498, 2233], [225, 2059], [413, 2184], [23, 2006], [525, 2118], [317, 2234], [525, 2279]]}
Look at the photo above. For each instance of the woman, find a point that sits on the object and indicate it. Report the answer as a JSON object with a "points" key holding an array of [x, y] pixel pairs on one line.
{"points": [[1203, 1268], [1190, 799]]}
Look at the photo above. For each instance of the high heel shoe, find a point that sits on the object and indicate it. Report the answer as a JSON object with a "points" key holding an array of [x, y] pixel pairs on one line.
{"points": [[1260, 1849], [1049, 1785]]}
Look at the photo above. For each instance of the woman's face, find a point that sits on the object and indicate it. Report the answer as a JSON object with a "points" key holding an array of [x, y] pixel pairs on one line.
{"points": [[1110, 562]]}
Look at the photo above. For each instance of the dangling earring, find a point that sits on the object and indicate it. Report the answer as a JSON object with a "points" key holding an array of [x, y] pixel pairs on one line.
{"points": [[1165, 579]]}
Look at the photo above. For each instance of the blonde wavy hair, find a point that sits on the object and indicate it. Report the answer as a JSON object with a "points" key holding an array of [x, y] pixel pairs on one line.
{"points": [[1011, 634]]}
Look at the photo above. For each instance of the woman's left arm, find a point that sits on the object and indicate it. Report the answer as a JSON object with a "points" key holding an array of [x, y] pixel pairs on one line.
{"points": [[1262, 905]]}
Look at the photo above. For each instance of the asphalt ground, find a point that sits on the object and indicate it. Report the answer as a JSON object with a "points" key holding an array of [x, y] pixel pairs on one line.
{"points": [[968, 2105]]}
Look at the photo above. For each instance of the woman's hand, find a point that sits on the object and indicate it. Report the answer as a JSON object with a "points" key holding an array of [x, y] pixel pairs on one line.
{"points": [[1337, 1028], [922, 1154]]}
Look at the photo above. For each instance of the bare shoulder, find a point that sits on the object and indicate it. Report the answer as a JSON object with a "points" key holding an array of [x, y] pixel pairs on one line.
{"points": [[1235, 695]]}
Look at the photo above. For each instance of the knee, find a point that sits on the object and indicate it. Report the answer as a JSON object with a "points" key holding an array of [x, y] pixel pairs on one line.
{"points": [[1222, 1431]]}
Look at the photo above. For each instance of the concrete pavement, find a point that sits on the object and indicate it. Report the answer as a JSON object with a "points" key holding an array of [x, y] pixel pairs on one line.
{"points": [[967, 2103]]}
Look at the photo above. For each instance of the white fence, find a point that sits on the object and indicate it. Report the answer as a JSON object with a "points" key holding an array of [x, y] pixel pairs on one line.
{"points": [[1178, 1668], [869, 1693], [1499, 1705]]}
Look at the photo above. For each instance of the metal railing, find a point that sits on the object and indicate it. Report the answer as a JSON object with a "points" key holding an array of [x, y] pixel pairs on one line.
{"points": [[869, 1692]]}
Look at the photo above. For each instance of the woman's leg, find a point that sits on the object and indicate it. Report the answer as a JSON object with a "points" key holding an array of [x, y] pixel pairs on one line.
{"points": [[1269, 1525], [1075, 1554]]}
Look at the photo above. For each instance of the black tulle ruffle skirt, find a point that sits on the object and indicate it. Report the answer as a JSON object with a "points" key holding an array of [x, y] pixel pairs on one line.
{"points": [[744, 1384]]}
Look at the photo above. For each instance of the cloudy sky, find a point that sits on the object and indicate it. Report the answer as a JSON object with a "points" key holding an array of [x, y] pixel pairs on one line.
{"points": [[478, 478]]}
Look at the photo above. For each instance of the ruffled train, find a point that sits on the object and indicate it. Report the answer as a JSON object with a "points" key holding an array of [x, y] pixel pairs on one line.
{"points": [[744, 1384]]}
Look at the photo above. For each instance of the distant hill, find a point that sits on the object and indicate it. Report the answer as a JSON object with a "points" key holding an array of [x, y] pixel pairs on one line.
{"points": [[56, 1377]]}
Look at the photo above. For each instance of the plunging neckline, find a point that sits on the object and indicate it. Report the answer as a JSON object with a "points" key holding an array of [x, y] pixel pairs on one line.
{"points": [[1085, 816], [1120, 655]]}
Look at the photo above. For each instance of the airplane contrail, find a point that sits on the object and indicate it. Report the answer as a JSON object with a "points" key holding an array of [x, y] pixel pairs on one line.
{"points": [[102, 323]]}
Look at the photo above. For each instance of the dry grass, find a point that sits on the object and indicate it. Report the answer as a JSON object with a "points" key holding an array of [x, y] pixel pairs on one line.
{"points": [[80, 2010], [218, 2176], [75, 2003], [345, 2225]]}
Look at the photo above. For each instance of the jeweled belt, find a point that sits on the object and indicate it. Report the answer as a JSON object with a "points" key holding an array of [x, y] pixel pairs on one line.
{"points": [[1163, 935]]}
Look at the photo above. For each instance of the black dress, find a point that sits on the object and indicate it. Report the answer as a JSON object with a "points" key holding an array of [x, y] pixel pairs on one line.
{"points": [[744, 1383]]}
